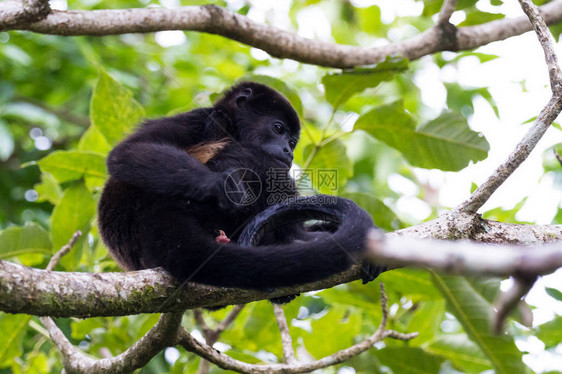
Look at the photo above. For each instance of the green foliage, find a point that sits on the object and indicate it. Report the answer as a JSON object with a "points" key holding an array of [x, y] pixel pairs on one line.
{"points": [[341, 86], [550, 333], [66, 166], [466, 301], [424, 362], [114, 112], [13, 327], [464, 354], [445, 143], [31, 238], [74, 212]]}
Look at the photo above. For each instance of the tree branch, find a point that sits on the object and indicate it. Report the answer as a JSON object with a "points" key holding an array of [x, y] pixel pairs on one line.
{"points": [[212, 335], [162, 335], [509, 300], [547, 44], [447, 11], [547, 115], [66, 294], [14, 12], [228, 363], [286, 340], [463, 257], [278, 43]]}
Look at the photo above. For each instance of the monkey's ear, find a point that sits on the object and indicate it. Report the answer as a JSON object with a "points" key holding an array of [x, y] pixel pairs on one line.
{"points": [[242, 96]]}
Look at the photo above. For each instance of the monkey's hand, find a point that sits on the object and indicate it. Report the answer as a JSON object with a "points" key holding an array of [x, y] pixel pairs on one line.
{"points": [[370, 271], [222, 238]]}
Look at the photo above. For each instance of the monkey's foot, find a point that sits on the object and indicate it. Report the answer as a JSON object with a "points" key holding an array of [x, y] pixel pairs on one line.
{"points": [[283, 299], [222, 238]]}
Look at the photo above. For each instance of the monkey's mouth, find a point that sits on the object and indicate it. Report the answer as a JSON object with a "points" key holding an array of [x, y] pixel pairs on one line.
{"points": [[285, 161]]}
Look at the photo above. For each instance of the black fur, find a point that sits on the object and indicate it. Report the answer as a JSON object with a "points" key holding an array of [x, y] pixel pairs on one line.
{"points": [[163, 207]]}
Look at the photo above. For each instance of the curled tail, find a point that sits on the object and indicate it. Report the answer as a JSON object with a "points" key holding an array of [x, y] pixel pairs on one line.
{"points": [[246, 264]]}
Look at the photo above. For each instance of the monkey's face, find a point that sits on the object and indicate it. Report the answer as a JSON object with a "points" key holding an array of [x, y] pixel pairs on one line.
{"points": [[264, 117]]}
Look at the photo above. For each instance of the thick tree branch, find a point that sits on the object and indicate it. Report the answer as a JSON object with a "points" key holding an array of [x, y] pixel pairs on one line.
{"points": [[13, 12], [228, 363], [66, 294], [279, 43], [463, 257]]}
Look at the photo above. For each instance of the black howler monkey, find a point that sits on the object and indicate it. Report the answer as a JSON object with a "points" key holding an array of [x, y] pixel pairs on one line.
{"points": [[165, 203]]}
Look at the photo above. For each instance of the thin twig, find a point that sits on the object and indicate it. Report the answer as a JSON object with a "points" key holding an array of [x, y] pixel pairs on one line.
{"points": [[286, 341], [212, 335], [547, 43], [447, 11], [63, 251], [228, 363], [507, 301], [547, 115]]}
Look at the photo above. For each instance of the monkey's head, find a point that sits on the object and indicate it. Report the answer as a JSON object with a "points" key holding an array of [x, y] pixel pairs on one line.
{"points": [[262, 116]]}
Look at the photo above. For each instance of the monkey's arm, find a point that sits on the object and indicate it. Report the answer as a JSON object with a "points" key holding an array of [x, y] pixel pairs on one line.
{"points": [[155, 158]]}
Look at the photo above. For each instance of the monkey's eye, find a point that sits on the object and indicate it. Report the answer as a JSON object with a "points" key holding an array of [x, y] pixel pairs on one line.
{"points": [[292, 144], [278, 128]]}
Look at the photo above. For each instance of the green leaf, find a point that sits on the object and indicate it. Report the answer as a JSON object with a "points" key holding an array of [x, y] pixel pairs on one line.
{"points": [[463, 353], [370, 19], [30, 238], [113, 110], [477, 18], [93, 140], [474, 312], [415, 283], [49, 189], [553, 292], [340, 322], [446, 143], [549, 160], [382, 215], [280, 86], [67, 166], [329, 167], [341, 86], [407, 360], [13, 327], [426, 321], [550, 333], [74, 212]]}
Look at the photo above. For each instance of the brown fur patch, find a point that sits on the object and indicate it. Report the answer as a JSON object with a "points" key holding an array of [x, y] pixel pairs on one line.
{"points": [[206, 151]]}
